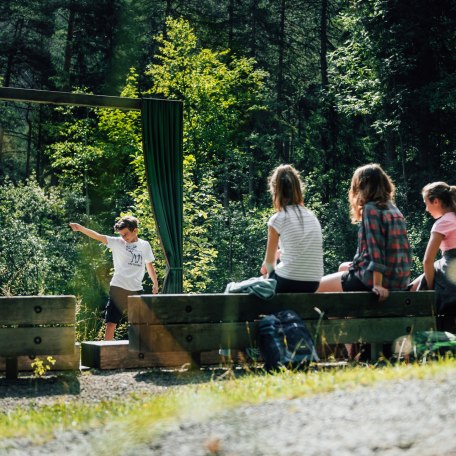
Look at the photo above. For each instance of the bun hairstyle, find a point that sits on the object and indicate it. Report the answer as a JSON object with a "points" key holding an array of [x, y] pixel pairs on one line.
{"points": [[369, 184], [441, 190], [286, 187]]}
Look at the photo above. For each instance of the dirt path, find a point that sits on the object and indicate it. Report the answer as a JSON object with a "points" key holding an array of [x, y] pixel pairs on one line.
{"points": [[407, 418]]}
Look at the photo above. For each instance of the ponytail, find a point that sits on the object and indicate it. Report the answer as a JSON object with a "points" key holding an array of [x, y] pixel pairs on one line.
{"points": [[453, 197], [286, 187], [444, 192]]}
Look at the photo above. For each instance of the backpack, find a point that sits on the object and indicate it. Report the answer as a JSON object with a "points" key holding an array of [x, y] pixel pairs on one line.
{"points": [[422, 343], [285, 341]]}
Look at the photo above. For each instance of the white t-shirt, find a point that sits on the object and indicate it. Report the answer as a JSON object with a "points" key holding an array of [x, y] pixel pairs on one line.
{"points": [[129, 262], [300, 243]]}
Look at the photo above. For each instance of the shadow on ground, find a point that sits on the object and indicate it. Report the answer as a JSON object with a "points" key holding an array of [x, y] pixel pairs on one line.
{"points": [[30, 386], [176, 377]]}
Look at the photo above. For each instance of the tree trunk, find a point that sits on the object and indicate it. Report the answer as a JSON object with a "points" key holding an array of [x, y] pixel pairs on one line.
{"points": [[39, 145], [230, 24], [329, 134], [324, 44], [281, 45], [1, 150], [29, 143], [168, 13], [280, 146], [253, 37], [12, 52], [69, 46]]}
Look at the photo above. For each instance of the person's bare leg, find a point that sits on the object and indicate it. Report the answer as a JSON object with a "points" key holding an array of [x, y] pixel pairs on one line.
{"points": [[333, 283], [345, 266], [110, 329], [330, 283]]}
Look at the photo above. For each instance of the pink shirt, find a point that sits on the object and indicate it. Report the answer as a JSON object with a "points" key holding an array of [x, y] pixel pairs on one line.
{"points": [[446, 226]]}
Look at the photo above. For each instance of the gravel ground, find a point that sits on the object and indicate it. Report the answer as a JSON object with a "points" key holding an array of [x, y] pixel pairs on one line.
{"points": [[91, 386], [406, 418]]}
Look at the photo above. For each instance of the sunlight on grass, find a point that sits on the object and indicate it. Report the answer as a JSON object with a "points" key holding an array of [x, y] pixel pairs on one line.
{"points": [[139, 417]]}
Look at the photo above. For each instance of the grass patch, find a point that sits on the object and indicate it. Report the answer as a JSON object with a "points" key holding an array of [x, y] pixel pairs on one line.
{"points": [[137, 418]]}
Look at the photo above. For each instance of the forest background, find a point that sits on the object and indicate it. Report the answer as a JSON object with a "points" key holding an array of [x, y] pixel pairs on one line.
{"points": [[327, 85]]}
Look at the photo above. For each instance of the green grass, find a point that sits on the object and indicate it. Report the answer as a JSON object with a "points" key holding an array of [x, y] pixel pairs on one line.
{"points": [[138, 417]]}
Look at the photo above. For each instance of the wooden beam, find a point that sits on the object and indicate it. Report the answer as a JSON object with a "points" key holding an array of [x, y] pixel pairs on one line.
{"points": [[11, 368], [62, 362], [38, 340], [193, 338], [68, 98], [37, 310], [206, 308]]}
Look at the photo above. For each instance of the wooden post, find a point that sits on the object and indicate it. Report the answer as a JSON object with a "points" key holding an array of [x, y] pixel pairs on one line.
{"points": [[375, 351], [11, 368], [195, 360]]}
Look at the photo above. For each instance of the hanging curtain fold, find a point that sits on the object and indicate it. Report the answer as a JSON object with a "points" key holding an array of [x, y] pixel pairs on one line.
{"points": [[162, 127]]}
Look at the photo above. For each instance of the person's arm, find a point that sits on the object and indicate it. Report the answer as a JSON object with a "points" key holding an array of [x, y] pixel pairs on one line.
{"points": [[376, 247], [378, 288], [153, 275], [375, 240], [90, 233], [271, 251], [429, 258]]}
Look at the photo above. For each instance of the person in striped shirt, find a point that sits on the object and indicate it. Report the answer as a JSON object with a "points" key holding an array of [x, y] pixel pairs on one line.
{"points": [[294, 251], [383, 257]]}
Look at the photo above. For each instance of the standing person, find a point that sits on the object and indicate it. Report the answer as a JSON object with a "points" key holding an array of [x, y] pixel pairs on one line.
{"points": [[382, 260], [440, 275], [131, 256], [295, 232]]}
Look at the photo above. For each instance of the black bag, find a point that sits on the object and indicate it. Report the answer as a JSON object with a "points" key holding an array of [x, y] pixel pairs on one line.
{"points": [[285, 341]]}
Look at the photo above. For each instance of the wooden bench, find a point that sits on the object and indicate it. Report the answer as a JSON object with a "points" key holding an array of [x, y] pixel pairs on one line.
{"points": [[33, 326], [205, 322]]}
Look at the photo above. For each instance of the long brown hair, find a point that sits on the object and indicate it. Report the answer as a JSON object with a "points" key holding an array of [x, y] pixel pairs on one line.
{"points": [[441, 190], [369, 184], [286, 187]]}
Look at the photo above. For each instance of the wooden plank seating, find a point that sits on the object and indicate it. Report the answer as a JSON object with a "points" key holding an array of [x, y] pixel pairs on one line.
{"points": [[32, 326], [198, 323], [116, 354]]}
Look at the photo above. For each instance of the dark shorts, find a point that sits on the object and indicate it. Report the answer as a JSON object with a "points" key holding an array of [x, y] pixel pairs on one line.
{"points": [[117, 306], [351, 283], [293, 286]]}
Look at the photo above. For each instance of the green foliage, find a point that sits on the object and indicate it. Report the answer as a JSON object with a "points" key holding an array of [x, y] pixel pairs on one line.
{"points": [[200, 248], [240, 235], [219, 97], [221, 93], [388, 96], [354, 71], [40, 367], [90, 282], [36, 249]]}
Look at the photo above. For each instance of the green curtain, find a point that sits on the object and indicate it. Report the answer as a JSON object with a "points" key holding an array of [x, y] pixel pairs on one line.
{"points": [[162, 125]]}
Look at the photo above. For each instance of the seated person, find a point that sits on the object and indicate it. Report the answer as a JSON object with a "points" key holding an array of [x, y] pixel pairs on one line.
{"points": [[294, 235], [382, 260], [440, 275]]}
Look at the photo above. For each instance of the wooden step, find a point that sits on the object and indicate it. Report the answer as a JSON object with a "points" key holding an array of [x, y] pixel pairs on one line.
{"points": [[116, 354], [63, 362]]}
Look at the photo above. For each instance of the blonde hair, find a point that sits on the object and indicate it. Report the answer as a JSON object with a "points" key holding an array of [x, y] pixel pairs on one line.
{"points": [[369, 184], [441, 190], [286, 187]]}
